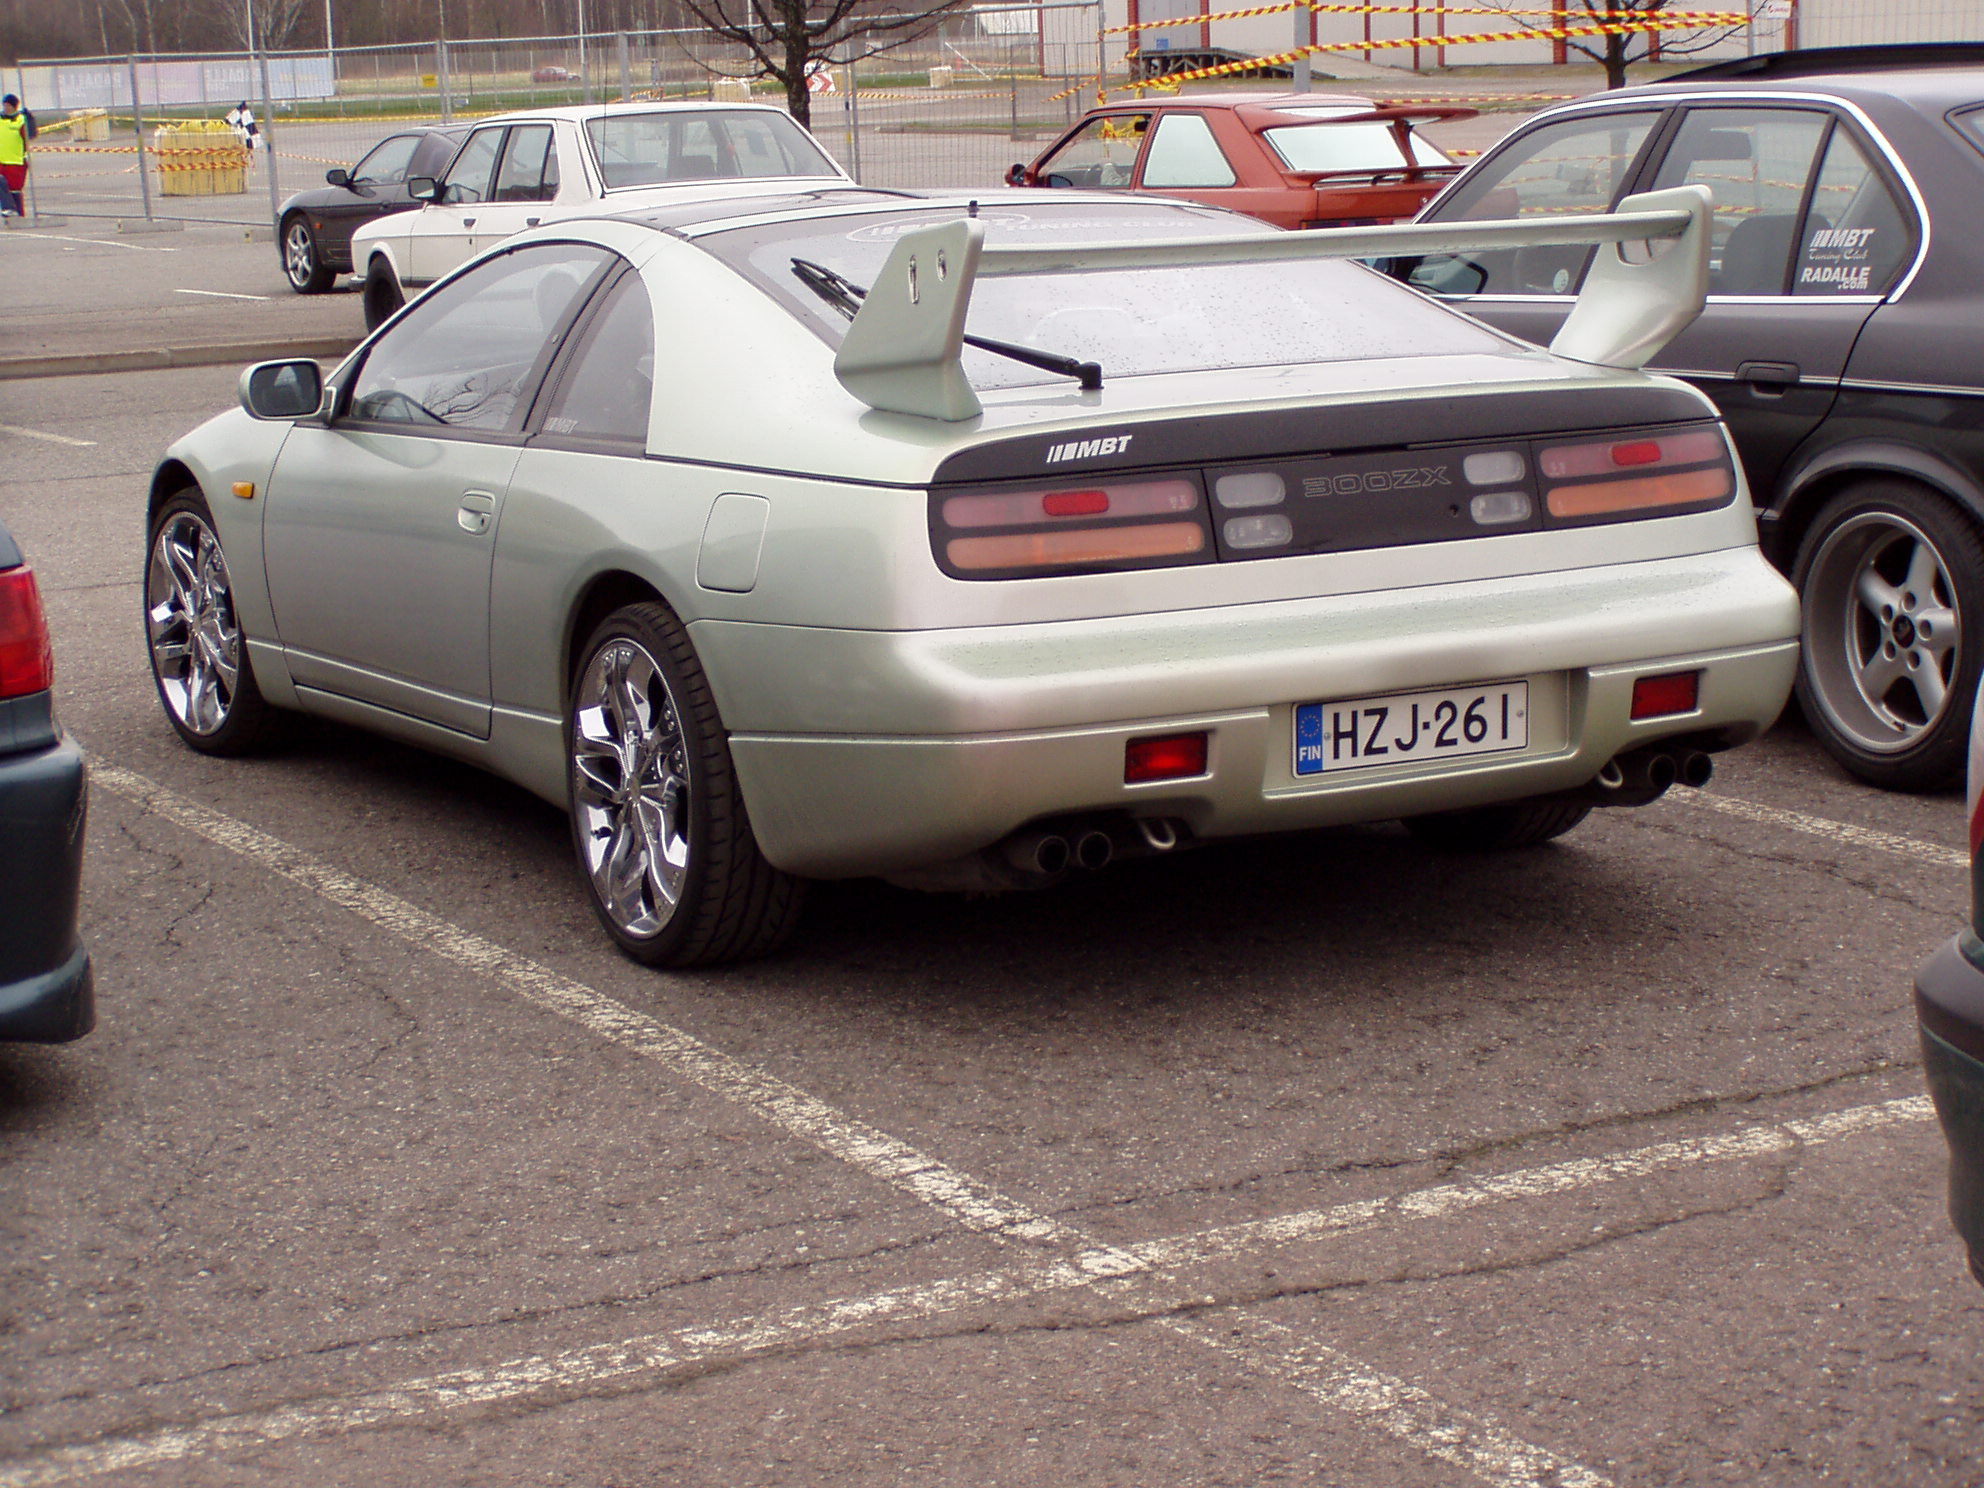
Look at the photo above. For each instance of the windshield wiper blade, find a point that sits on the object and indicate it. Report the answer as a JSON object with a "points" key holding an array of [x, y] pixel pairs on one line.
{"points": [[846, 296]]}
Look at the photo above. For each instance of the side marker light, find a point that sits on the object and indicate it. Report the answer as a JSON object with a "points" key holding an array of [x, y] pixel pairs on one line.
{"points": [[245, 490]]}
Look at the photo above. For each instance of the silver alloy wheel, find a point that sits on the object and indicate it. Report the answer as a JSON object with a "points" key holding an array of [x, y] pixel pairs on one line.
{"points": [[1882, 626], [630, 787], [189, 620], [299, 253]]}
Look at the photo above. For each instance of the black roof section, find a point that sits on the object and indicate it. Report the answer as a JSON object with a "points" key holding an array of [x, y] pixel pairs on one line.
{"points": [[1834, 61]]}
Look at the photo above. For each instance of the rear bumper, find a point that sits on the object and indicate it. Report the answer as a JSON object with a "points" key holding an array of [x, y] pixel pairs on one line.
{"points": [[1949, 1004], [972, 735], [45, 984]]}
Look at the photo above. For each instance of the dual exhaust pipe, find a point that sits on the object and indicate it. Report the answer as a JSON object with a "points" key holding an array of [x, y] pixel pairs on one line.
{"points": [[1049, 852], [1646, 775]]}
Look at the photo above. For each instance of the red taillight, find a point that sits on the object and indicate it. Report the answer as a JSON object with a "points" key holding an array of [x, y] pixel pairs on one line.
{"points": [[1171, 757], [1013, 533], [1657, 697], [1650, 475], [27, 664]]}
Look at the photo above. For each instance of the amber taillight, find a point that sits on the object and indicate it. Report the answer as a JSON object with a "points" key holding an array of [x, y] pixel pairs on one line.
{"points": [[1075, 528]]}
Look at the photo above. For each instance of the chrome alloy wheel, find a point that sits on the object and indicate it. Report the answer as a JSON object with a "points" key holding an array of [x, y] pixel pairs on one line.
{"points": [[630, 787], [189, 620], [1882, 631], [299, 253]]}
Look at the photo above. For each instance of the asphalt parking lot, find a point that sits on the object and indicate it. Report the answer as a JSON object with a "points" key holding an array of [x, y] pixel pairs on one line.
{"points": [[1321, 1160]]}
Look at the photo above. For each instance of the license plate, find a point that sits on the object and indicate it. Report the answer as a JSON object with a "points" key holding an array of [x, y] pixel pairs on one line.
{"points": [[1361, 733]]}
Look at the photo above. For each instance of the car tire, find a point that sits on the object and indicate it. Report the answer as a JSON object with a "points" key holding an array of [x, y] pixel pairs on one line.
{"points": [[382, 294], [1497, 828], [1890, 576], [199, 657], [665, 847], [302, 258]]}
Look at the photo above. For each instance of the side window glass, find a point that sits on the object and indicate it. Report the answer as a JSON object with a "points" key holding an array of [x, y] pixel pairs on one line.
{"points": [[1183, 152], [1757, 163], [463, 355], [521, 177], [1100, 156], [606, 391], [1578, 165], [470, 176], [1857, 238], [431, 155], [387, 162]]}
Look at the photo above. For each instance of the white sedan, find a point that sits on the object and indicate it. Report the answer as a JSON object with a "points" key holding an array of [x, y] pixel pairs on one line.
{"points": [[518, 171]]}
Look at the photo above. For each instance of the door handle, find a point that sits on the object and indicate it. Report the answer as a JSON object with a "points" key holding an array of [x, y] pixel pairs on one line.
{"points": [[1769, 379], [468, 222], [474, 514], [532, 221]]}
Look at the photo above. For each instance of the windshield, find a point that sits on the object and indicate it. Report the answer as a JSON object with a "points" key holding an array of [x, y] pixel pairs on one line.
{"points": [[1132, 321], [702, 145], [1369, 146]]}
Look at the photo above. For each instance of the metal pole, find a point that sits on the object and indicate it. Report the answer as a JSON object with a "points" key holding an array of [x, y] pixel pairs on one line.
{"points": [[269, 141], [585, 83], [441, 77], [854, 120], [1304, 34], [138, 129], [626, 73]]}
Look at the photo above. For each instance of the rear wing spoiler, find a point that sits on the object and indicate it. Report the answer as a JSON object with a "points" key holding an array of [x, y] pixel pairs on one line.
{"points": [[900, 354]]}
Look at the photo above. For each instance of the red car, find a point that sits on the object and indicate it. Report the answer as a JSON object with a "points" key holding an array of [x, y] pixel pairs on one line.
{"points": [[1293, 159]]}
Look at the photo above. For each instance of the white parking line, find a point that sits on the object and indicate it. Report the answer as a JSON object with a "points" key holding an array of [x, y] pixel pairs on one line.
{"points": [[1819, 826], [220, 294], [51, 438], [1414, 1417], [1394, 1406], [100, 242]]}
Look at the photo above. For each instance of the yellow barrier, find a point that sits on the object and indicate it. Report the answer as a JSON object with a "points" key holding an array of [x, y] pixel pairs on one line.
{"points": [[200, 157]]}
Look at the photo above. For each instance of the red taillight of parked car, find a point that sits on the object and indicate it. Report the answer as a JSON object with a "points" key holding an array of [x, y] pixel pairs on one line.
{"points": [[1169, 757], [1100, 525], [1640, 476], [1666, 695], [27, 662]]}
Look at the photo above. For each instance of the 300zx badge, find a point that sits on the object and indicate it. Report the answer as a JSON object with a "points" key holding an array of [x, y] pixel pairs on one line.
{"points": [[1412, 477]]}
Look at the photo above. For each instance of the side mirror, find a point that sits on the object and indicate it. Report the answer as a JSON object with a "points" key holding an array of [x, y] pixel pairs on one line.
{"points": [[1017, 175], [282, 390], [337, 175], [423, 188]]}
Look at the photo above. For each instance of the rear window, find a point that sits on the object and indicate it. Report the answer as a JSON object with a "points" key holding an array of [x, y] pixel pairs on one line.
{"points": [[702, 145], [1131, 321], [1369, 146]]}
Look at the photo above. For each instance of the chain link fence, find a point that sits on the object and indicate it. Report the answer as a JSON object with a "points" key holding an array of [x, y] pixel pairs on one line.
{"points": [[955, 108]]}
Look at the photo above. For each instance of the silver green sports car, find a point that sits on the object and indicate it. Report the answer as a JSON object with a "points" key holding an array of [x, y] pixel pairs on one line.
{"points": [[975, 543]]}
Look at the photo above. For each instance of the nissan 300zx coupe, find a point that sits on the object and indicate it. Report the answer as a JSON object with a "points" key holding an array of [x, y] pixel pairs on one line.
{"points": [[976, 544]]}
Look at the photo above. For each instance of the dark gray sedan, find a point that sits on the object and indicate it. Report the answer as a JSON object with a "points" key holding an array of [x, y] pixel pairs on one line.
{"points": [[1839, 343], [314, 227], [45, 988]]}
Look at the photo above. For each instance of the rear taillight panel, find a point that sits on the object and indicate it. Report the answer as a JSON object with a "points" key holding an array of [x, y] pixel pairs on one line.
{"points": [[27, 663], [1281, 506]]}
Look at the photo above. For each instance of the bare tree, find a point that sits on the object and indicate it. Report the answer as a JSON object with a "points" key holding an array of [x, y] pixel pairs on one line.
{"points": [[786, 38], [276, 21], [1617, 50]]}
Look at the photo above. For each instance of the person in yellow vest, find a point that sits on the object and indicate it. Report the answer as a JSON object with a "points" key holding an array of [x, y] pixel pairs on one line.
{"points": [[16, 129]]}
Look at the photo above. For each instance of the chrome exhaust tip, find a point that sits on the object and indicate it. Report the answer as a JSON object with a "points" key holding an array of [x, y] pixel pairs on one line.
{"points": [[1093, 850]]}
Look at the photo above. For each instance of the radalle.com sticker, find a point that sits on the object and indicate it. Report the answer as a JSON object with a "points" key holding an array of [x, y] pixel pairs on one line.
{"points": [[1838, 260]]}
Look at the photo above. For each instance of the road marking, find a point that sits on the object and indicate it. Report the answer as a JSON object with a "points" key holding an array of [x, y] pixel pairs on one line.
{"points": [[220, 294], [1396, 1407], [100, 242], [51, 438], [1819, 826], [1431, 1427]]}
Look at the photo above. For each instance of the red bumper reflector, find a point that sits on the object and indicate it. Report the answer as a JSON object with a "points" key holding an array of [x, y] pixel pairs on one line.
{"points": [[26, 663], [1657, 697], [1173, 757]]}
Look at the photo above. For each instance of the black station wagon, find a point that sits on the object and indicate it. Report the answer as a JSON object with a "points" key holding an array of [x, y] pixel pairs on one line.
{"points": [[1840, 341]]}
